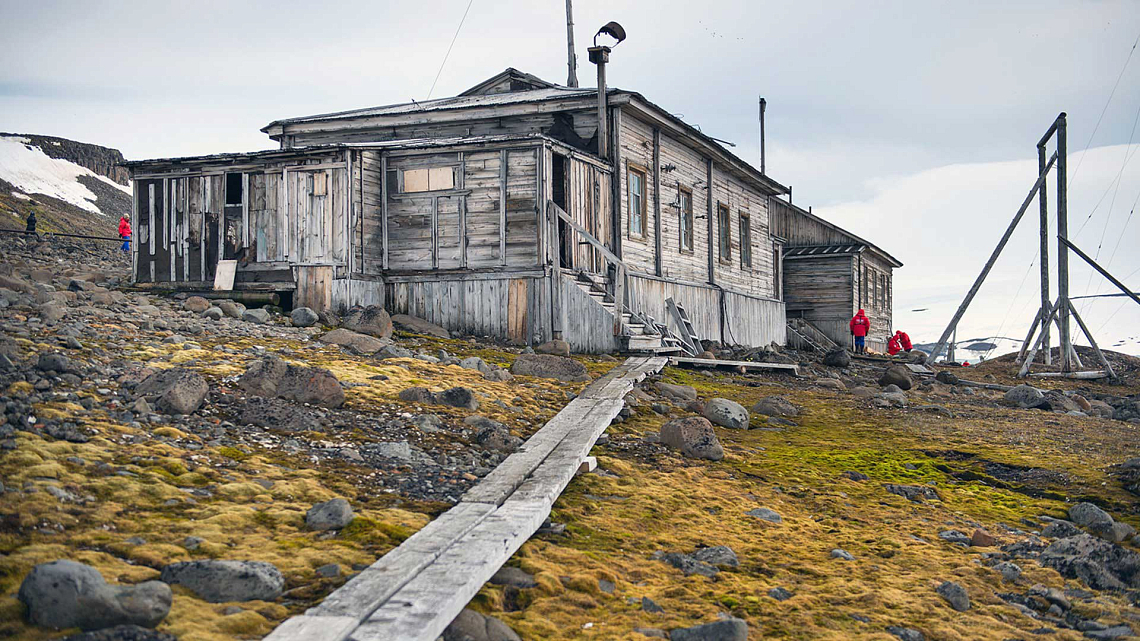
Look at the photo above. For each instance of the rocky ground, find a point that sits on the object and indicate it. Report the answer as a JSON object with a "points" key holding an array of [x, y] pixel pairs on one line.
{"points": [[206, 471]]}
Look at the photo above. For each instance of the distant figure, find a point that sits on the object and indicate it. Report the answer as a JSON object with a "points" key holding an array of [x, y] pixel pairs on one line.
{"points": [[32, 223], [860, 325], [125, 232], [904, 341], [893, 346]]}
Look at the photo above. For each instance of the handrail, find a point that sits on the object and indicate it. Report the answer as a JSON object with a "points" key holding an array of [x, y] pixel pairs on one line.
{"points": [[620, 272]]}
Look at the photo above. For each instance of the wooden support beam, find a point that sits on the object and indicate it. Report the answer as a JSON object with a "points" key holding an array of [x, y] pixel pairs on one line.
{"points": [[503, 207], [1092, 341], [1103, 272], [1032, 333], [1024, 371], [1067, 353], [1043, 203], [990, 263], [657, 267]]}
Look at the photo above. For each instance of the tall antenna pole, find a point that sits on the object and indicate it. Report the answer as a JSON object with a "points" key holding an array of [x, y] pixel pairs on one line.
{"points": [[1062, 248], [571, 60], [763, 104]]}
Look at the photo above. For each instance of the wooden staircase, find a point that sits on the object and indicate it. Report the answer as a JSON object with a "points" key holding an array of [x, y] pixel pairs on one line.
{"points": [[804, 335], [642, 334]]}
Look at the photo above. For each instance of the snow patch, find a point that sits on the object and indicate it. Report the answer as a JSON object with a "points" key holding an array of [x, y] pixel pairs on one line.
{"points": [[32, 171], [21, 196]]}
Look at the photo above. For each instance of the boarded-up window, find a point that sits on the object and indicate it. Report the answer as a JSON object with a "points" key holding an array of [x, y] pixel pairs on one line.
{"points": [[637, 217], [724, 231], [429, 179], [745, 240], [685, 197]]}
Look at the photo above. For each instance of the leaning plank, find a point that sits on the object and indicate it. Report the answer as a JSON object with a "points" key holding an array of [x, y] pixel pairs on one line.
{"points": [[747, 365]]}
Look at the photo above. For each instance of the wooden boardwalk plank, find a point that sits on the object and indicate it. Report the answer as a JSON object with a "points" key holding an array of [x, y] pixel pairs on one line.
{"points": [[747, 365]]}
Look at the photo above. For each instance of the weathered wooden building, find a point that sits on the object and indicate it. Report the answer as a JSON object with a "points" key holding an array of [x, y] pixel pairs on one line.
{"points": [[830, 273], [504, 211]]}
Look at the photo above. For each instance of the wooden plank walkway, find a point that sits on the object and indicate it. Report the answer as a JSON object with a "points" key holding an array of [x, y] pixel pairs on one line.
{"points": [[745, 365], [414, 591]]}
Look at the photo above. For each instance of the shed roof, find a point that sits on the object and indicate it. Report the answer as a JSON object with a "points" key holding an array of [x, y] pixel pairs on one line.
{"points": [[823, 251]]}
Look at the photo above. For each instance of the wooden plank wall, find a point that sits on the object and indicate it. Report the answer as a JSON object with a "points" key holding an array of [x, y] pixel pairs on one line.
{"points": [[584, 123], [824, 291], [873, 291], [801, 230], [588, 202], [748, 320], [513, 309], [587, 326], [688, 169]]}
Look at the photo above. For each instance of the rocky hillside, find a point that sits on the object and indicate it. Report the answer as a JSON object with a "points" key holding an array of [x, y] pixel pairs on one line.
{"points": [[72, 187], [201, 471]]}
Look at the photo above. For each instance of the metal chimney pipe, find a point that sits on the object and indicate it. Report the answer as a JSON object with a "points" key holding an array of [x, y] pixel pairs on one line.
{"points": [[763, 104], [600, 56]]}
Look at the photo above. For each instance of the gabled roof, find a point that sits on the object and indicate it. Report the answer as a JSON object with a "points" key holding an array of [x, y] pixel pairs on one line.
{"points": [[516, 81], [866, 244]]}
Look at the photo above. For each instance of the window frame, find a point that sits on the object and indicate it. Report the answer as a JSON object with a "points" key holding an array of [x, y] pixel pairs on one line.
{"points": [[685, 217], [401, 183], [724, 233], [643, 174], [745, 232]]}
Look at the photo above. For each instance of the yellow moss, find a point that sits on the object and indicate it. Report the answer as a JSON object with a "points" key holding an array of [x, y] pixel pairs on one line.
{"points": [[169, 432], [20, 389]]}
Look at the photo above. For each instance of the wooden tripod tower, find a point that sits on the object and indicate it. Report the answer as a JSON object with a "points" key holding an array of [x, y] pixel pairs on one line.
{"points": [[1062, 310]]}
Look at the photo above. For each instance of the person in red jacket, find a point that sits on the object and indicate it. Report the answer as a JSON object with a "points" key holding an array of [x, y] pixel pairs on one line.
{"points": [[904, 341], [893, 345], [125, 232], [860, 325]]}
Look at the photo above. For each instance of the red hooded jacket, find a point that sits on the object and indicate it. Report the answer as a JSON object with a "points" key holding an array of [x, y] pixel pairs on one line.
{"points": [[893, 346], [124, 227], [860, 324], [904, 340]]}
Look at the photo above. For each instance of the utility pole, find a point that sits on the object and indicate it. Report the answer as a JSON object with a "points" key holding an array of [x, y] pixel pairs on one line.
{"points": [[1063, 249], [763, 104], [1044, 207], [572, 60]]}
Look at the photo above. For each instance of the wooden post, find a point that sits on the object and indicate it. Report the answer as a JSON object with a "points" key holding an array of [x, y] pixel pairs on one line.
{"points": [[990, 263], [1044, 207], [571, 60], [1029, 337], [384, 209], [1092, 341], [1062, 249], [1024, 371], [503, 207], [709, 215], [615, 184], [657, 267], [619, 298]]}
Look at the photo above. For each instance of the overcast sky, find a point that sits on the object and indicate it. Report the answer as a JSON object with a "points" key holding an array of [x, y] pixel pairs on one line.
{"points": [[913, 124]]}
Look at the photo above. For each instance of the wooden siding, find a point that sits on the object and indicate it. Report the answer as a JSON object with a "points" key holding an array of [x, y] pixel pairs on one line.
{"points": [[588, 327], [747, 320], [874, 295], [584, 122], [821, 291], [587, 196], [800, 230], [677, 165]]}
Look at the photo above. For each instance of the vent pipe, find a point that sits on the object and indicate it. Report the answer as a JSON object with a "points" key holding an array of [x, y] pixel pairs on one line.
{"points": [[600, 55], [763, 104]]}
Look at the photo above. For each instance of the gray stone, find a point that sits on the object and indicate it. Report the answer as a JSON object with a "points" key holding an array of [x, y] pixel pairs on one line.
{"points": [[329, 515], [730, 629], [855, 476], [775, 406], [896, 375], [766, 514], [719, 555], [906, 634], [258, 315], [393, 351], [474, 626], [461, 397], [549, 366], [65, 594], [224, 581], [954, 536], [419, 326], [1024, 396], [328, 571], [1093, 519], [1010, 572], [677, 392], [726, 413], [842, 555], [421, 395], [371, 320], [955, 595], [177, 390], [273, 377], [1060, 529], [837, 358], [357, 342], [231, 308], [915, 493], [650, 606], [303, 317], [476, 363], [196, 304], [694, 436], [780, 594], [1115, 632], [277, 414], [1100, 564], [262, 376], [213, 313], [514, 577], [556, 347], [56, 362]]}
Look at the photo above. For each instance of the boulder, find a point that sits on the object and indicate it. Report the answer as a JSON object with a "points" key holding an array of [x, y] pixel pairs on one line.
{"points": [[1100, 409], [730, 629], [681, 393], [556, 347], [258, 315], [230, 308], [371, 320], [461, 397], [1093, 519], [224, 581], [775, 406], [955, 595], [56, 362], [303, 317], [837, 358], [355, 341], [896, 375], [1058, 402], [277, 414], [473, 626], [65, 594], [394, 351], [766, 514], [175, 391], [549, 366], [688, 565], [915, 493], [421, 395], [419, 326], [52, 313], [1024, 396], [719, 555], [196, 304], [476, 363], [515, 577], [726, 413], [495, 436], [831, 383], [1100, 564], [213, 313], [946, 377], [262, 376], [694, 436], [313, 385], [330, 515]]}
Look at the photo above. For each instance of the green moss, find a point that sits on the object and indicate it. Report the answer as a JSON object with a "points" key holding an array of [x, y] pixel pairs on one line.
{"points": [[233, 453]]}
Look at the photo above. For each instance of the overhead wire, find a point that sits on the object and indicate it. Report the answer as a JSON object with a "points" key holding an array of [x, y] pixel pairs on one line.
{"points": [[449, 47], [1102, 111]]}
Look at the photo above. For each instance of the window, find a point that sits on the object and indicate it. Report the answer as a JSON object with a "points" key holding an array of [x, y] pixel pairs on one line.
{"points": [[428, 179], [636, 185], [745, 240], [685, 197], [724, 233]]}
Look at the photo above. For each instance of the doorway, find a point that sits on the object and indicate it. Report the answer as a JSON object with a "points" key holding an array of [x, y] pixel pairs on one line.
{"points": [[558, 194]]}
